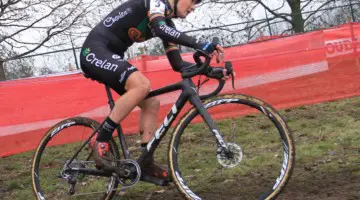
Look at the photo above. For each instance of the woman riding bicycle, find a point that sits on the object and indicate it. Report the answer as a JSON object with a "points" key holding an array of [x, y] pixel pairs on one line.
{"points": [[102, 59]]}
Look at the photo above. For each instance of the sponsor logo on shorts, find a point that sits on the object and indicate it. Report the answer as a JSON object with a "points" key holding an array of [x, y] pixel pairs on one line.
{"points": [[109, 21], [122, 77], [104, 64], [131, 68], [116, 57]]}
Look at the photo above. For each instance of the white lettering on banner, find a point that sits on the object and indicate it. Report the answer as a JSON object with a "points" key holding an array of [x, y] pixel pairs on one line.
{"points": [[170, 31], [108, 22], [156, 7], [340, 47], [91, 58]]}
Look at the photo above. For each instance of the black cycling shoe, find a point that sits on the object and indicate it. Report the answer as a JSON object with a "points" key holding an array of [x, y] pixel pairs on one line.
{"points": [[153, 173]]}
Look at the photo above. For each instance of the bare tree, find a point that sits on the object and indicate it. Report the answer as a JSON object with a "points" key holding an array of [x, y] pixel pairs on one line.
{"points": [[297, 7], [27, 25], [236, 22]]}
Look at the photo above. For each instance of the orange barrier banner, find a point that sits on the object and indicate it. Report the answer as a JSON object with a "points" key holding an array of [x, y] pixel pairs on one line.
{"points": [[286, 72]]}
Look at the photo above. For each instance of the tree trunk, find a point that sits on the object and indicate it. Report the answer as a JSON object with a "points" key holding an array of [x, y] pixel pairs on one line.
{"points": [[296, 16], [2, 71]]}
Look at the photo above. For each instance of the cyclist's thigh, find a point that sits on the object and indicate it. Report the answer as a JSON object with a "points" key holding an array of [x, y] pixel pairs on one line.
{"points": [[107, 67], [136, 80]]}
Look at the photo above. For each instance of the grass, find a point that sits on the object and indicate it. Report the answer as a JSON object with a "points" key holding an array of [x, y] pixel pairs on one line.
{"points": [[327, 140]]}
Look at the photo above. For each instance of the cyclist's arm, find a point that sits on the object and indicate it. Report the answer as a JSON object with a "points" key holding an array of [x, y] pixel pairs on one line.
{"points": [[174, 57], [161, 29]]}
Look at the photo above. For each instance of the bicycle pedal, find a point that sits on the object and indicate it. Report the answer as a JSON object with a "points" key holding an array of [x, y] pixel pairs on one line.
{"points": [[155, 180]]}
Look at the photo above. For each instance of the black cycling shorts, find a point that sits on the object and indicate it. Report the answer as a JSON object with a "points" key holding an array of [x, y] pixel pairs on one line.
{"points": [[103, 65]]}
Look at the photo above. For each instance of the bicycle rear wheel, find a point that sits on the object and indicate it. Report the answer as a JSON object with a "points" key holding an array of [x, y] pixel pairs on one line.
{"points": [[262, 149], [56, 148]]}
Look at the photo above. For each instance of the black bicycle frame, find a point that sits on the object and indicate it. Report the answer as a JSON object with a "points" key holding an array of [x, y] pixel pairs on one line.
{"points": [[189, 93]]}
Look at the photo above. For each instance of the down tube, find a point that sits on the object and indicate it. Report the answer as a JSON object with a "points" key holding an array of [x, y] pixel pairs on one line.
{"points": [[169, 119]]}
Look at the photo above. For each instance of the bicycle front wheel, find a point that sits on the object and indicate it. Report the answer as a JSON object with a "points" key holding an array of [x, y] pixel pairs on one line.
{"points": [[261, 148], [57, 147]]}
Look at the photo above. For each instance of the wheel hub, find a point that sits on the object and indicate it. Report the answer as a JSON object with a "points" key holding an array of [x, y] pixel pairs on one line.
{"points": [[232, 157]]}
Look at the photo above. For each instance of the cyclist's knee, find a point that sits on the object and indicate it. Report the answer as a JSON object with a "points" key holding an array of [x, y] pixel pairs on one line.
{"points": [[154, 103], [150, 104], [137, 81]]}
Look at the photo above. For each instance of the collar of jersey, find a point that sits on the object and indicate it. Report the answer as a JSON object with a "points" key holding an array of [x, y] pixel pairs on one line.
{"points": [[169, 13]]}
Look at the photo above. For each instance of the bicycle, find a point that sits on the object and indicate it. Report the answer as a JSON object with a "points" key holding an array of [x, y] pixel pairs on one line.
{"points": [[228, 161]]}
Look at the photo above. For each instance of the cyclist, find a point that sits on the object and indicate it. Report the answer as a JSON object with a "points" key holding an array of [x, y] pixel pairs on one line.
{"points": [[102, 59]]}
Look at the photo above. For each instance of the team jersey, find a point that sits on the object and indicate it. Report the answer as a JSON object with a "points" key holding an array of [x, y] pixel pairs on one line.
{"points": [[138, 21]]}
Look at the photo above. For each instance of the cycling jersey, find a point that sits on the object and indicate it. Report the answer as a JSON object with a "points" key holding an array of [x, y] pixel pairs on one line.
{"points": [[133, 21]]}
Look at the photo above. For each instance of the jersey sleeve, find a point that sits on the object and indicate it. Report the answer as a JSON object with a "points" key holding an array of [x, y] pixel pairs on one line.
{"points": [[161, 29]]}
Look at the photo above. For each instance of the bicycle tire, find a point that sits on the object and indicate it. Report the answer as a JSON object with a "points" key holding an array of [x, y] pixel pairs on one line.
{"points": [[181, 181], [75, 123]]}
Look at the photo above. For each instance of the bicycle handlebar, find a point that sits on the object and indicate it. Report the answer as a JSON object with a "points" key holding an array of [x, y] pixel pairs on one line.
{"points": [[203, 65], [216, 91], [217, 73]]}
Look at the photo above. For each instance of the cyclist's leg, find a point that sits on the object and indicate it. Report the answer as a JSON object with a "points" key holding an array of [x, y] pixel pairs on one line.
{"points": [[137, 88], [148, 118], [105, 66]]}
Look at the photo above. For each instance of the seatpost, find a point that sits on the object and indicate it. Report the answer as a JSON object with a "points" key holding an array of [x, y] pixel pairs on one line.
{"points": [[111, 100]]}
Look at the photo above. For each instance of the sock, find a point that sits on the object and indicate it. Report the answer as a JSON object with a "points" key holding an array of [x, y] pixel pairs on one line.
{"points": [[106, 130], [143, 146]]}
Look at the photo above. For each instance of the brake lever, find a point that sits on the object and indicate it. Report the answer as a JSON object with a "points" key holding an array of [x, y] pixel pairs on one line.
{"points": [[233, 80], [230, 71]]}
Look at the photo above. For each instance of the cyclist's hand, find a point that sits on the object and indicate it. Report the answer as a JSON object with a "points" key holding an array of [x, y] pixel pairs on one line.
{"points": [[225, 75], [213, 49], [219, 53]]}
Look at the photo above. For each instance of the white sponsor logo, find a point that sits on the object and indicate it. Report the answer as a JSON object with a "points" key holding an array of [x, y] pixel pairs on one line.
{"points": [[170, 31], [60, 128], [122, 76], [186, 188], [104, 64], [156, 7], [131, 68], [219, 138], [161, 130], [214, 103], [108, 22], [116, 57], [41, 196], [283, 170]]}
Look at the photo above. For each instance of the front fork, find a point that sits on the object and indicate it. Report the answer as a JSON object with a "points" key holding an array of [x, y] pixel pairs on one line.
{"points": [[197, 103]]}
